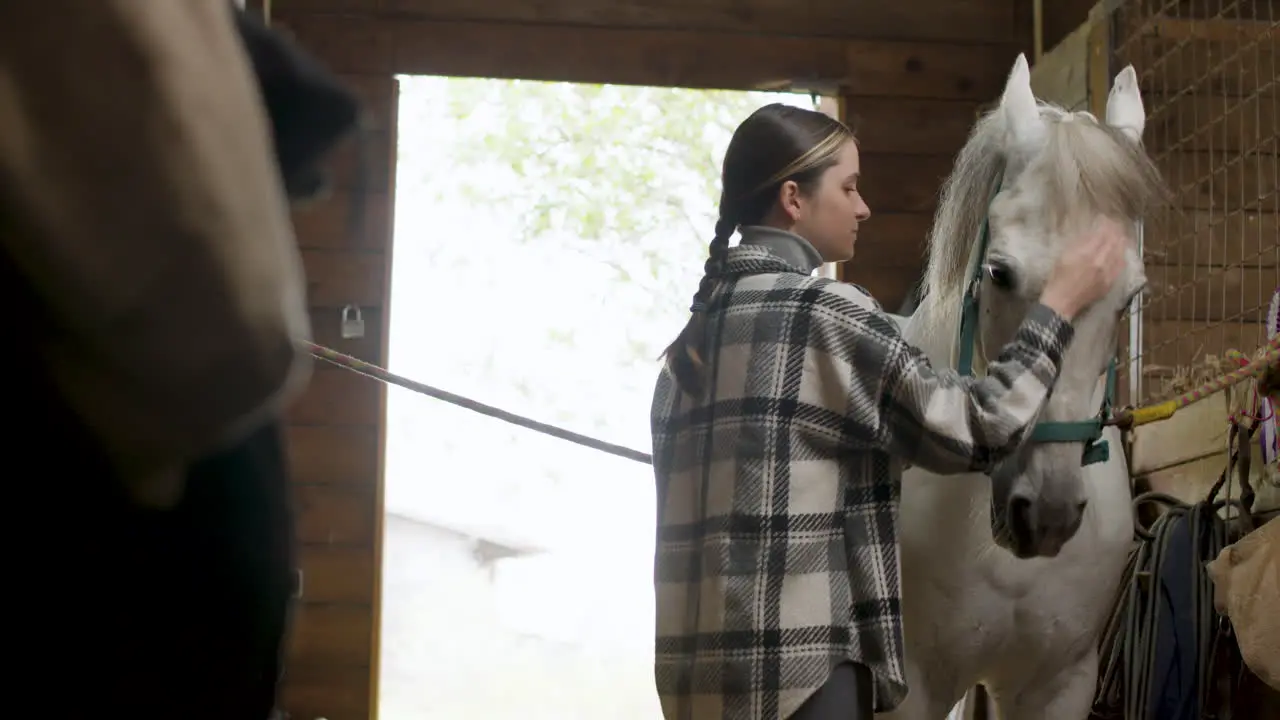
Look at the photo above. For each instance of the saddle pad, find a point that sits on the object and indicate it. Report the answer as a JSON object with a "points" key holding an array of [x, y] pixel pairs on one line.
{"points": [[1246, 578]]}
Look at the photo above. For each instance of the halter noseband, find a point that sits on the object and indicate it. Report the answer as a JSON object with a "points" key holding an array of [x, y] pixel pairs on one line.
{"points": [[1089, 432]]}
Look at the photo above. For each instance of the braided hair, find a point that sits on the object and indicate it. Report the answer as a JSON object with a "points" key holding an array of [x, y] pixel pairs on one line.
{"points": [[774, 145], [685, 354]]}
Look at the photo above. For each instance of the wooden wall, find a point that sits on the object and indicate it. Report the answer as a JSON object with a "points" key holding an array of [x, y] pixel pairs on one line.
{"points": [[335, 431], [911, 76]]}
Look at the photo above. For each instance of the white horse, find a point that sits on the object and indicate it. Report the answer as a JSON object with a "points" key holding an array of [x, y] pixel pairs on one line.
{"points": [[1007, 580]]}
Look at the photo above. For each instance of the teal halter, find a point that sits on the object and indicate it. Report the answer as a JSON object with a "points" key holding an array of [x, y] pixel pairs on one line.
{"points": [[1089, 432]]}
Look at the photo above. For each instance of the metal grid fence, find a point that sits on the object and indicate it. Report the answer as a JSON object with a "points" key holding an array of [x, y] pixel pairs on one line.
{"points": [[1209, 77]]}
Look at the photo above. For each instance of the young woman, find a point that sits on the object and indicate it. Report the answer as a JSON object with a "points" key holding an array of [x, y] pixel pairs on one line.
{"points": [[784, 393]]}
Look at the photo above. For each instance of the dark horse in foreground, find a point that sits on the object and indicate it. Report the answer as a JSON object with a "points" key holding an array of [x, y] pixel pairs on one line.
{"points": [[119, 608]]}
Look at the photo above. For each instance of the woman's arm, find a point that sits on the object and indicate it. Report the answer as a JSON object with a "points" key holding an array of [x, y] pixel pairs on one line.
{"points": [[936, 418]]}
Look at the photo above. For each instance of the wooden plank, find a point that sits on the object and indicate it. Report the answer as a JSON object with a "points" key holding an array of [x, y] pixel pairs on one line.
{"points": [[1180, 343], [1223, 30], [321, 691], [342, 515], [380, 485], [1195, 432], [333, 574], [333, 454], [348, 44], [889, 286], [374, 92], [903, 183], [976, 72], [624, 57], [893, 240], [1209, 294], [1167, 66], [336, 635], [959, 20], [1185, 10], [336, 278], [1061, 18], [665, 57], [324, 224], [910, 126], [1100, 65], [326, 330], [1222, 181], [1210, 123], [343, 165], [1189, 482], [1206, 238], [1061, 76], [338, 397]]}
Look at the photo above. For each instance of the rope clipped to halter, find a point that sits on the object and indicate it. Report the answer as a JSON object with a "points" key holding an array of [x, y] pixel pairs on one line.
{"points": [[1089, 432], [1268, 361]]}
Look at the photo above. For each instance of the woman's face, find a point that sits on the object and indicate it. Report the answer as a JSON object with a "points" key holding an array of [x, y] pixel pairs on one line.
{"points": [[829, 216]]}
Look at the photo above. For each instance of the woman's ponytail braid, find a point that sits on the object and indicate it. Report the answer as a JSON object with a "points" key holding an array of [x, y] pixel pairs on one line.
{"points": [[685, 355]]}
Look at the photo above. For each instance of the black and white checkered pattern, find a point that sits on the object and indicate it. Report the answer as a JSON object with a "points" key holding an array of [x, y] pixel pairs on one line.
{"points": [[777, 552]]}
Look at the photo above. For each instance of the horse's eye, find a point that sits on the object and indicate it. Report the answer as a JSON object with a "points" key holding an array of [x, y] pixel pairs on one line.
{"points": [[1135, 295], [1001, 275]]}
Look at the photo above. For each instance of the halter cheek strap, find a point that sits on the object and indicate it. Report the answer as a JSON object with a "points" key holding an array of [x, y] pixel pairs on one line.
{"points": [[1089, 432]]}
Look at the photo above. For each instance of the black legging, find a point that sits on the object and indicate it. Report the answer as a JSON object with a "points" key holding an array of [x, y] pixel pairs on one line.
{"points": [[846, 695]]}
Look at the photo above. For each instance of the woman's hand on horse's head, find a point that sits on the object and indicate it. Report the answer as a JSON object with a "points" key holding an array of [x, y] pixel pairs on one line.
{"points": [[1087, 269]]}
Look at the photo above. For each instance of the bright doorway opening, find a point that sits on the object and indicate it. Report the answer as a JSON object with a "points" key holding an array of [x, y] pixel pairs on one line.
{"points": [[548, 237]]}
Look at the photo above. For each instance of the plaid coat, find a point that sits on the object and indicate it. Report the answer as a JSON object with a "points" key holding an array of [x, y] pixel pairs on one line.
{"points": [[777, 540]]}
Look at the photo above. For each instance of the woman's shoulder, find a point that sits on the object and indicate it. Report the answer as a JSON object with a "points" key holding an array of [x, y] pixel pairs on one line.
{"points": [[850, 293]]}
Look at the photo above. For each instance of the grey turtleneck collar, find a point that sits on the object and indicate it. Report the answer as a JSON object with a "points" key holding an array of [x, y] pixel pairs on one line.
{"points": [[789, 247]]}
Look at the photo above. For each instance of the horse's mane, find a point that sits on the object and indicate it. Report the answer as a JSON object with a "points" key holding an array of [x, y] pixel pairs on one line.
{"points": [[1086, 166]]}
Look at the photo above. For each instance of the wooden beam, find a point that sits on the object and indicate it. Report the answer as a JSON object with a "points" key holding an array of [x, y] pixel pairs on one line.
{"points": [[373, 676], [338, 397], [975, 21], [695, 59]]}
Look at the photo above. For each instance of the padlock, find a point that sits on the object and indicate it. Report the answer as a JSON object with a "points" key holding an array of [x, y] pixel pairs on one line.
{"points": [[352, 323]]}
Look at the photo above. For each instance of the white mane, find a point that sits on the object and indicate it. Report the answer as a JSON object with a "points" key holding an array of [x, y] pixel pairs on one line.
{"points": [[1084, 168]]}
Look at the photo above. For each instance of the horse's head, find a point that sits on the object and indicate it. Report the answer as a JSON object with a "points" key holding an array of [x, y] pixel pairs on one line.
{"points": [[1039, 175], [1061, 171]]}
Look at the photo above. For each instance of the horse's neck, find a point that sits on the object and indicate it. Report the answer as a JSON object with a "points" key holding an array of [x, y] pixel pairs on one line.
{"points": [[933, 503], [934, 331]]}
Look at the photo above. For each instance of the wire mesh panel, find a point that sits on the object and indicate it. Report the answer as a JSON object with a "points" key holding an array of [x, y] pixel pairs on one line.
{"points": [[1208, 72]]}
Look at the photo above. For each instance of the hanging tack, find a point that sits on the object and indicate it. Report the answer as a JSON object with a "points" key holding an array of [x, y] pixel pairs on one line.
{"points": [[352, 323]]}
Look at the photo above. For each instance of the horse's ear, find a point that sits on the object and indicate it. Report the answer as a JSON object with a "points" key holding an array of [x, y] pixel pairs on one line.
{"points": [[1124, 105], [1018, 104]]}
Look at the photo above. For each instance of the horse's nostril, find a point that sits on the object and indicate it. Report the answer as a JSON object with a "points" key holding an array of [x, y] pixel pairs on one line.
{"points": [[1020, 520], [1080, 506]]}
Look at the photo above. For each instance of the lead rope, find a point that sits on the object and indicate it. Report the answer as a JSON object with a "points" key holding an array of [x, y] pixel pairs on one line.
{"points": [[373, 371], [355, 228], [1128, 646]]}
